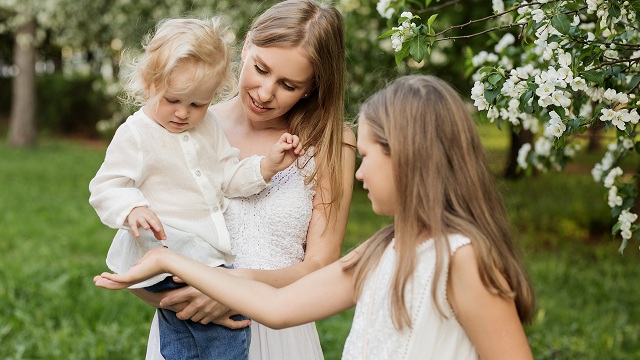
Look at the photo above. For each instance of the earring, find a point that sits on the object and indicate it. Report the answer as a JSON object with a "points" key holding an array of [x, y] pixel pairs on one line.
{"points": [[305, 95]]}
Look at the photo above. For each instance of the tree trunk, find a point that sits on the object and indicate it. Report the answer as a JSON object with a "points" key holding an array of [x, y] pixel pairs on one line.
{"points": [[595, 132], [22, 125], [517, 140]]}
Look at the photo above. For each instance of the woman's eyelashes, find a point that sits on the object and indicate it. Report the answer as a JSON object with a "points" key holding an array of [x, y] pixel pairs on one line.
{"points": [[284, 85]]}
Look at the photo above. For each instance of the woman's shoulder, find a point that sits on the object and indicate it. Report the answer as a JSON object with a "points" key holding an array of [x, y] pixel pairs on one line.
{"points": [[348, 136]]}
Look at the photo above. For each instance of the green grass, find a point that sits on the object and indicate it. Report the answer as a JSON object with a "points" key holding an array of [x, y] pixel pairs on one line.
{"points": [[52, 243]]}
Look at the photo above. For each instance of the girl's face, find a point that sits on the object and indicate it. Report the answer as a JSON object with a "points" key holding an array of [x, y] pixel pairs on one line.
{"points": [[376, 172], [184, 110], [272, 81]]}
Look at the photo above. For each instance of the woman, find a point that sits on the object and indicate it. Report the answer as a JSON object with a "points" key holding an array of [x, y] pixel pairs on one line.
{"points": [[292, 80]]}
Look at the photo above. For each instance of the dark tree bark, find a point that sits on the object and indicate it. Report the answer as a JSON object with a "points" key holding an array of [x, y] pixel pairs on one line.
{"points": [[517, 140], [22, 123]]}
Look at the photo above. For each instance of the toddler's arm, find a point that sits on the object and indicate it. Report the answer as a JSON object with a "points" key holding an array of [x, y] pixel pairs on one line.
{"points": [[283, 153]]}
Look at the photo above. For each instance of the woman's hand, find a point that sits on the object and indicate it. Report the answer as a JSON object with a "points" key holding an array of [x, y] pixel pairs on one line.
{"points": [[200, 308], [148, 266]]}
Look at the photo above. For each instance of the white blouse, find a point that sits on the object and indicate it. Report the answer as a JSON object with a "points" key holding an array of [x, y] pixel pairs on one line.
{"points": [[431, 336], [183, 177]]}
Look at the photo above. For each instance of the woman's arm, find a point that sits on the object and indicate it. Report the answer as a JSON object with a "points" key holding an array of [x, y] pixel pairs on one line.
{"points": [[490, 321], [316, 296]]}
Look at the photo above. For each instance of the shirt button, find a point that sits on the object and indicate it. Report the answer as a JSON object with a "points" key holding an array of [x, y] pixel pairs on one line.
{"points": [[198, 173], [215, 208], [185, 137]]}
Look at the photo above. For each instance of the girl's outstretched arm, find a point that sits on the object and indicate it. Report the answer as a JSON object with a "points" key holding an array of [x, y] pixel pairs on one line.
{"points": [[313, 297], [490, 321]]}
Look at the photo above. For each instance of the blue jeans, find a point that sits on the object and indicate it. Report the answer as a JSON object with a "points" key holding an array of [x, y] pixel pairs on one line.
{"points": [[185, 339]]}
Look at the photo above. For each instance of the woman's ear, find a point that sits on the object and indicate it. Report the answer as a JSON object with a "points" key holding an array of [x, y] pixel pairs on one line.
{"points": [[245, 46]]}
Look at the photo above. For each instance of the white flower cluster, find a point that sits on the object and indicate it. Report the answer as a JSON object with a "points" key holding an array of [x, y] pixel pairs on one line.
{"points": [[626, 219], [608, 22], [385, 9], [617, 115], [406, 31]]}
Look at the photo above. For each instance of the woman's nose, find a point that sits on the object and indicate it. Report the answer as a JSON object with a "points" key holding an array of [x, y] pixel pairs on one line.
{"points": [[265, 92]]}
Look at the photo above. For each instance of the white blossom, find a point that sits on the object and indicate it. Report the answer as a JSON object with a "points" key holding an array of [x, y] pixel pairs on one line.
{"points": [[614, 199], [523, 152], [611, 176], [384, 9]]}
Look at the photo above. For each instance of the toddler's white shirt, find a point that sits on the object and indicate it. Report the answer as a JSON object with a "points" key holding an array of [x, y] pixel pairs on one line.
{"points": [[183, 177]]}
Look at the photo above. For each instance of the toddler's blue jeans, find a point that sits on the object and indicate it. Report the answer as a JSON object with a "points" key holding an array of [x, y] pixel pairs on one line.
{"points": [[186, 339]]}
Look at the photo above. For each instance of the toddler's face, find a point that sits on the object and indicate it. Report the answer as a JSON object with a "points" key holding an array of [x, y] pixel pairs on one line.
{"points": [[178, 111]]}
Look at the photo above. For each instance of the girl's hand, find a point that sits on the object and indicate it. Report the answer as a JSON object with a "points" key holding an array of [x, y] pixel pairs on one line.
{"points": [[148, 266]]}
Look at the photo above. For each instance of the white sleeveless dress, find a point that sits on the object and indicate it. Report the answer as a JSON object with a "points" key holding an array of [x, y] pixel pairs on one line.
{"points": [[268, 231], [373, 335]]}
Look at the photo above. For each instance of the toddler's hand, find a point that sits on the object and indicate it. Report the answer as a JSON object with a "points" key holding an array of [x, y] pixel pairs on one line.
{"points": [[143, 217], [283, 153]]}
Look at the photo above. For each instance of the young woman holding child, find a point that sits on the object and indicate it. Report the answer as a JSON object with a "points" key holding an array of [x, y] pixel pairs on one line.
{"points": [[291, 81], [443, 282], [169, 168]]}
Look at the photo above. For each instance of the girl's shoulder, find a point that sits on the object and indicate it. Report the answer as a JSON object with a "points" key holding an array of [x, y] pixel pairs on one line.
{"points": [[457, 241]]}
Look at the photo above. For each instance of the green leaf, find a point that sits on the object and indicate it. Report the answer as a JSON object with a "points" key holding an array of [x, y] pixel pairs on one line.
{"points": [[387, 34], [614, 10], [427, 3], [417, 48], [594, 76], [431, 19], [491, 95], [494, 78], [634, 82], [524, 99], [561, 22], [622, 246], [403, 53]]}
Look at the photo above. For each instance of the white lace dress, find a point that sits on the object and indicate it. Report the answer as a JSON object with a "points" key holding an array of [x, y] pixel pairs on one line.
{"points": [[268, 231], [373, 335]]}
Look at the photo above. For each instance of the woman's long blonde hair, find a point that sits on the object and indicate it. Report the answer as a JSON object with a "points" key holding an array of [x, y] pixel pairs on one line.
{"points": [[444, 187], [317, 29]]}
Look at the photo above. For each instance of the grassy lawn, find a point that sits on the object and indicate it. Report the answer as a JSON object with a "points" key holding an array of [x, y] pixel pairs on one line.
{"points": [[52, 243]]}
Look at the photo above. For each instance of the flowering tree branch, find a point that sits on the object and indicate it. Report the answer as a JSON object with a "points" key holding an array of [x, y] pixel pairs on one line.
{"points": [[577, 66]]}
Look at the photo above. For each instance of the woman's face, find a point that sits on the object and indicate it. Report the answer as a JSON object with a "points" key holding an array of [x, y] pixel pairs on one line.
{"points": [[273, 79]]}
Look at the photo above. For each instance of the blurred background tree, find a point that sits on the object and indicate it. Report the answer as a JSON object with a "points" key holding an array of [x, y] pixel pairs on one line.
{"points": [[63, 81]]}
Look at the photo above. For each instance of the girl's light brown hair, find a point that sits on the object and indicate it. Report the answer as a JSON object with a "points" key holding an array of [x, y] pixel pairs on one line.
{"points": [[175, 43], [444, 187], [317, 29]]}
